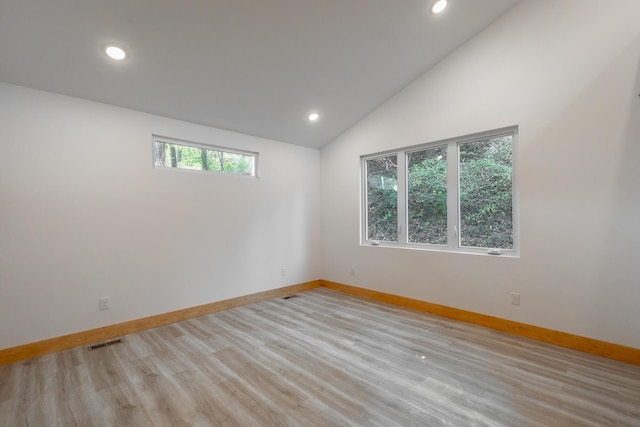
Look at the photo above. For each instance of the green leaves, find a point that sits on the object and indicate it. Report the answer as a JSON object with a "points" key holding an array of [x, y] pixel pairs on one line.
{"points": [[427, 196], [382, 198], [486, 208], [484, 187], [198, 158]]}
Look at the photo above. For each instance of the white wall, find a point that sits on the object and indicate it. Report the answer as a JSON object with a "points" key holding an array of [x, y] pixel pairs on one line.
{"points": [[566, 72], [83, 214]]}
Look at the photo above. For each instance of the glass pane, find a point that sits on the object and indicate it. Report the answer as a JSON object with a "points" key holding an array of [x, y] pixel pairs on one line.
{"points": [[215, 161], [427, 196], [382, 198], [486, 197], [161, 154], [196, 158], [238, 164], [188, 157]]}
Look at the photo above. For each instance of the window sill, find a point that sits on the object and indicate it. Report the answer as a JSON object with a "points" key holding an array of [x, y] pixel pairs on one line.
{"points": [[504, 253]]}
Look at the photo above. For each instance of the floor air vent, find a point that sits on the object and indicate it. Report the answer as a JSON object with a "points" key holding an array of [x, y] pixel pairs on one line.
{"points": [[105, 344], [290, 296]]}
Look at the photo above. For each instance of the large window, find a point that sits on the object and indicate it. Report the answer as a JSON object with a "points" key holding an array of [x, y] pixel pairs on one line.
{"points": [[172, 153], [454, 195]]}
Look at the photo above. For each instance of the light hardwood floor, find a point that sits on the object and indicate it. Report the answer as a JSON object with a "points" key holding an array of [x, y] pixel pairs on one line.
{"points": [[322, 358]]}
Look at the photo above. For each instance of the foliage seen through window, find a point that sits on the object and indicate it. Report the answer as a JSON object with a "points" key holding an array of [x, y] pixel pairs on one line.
{"points": [[475, 211], [182, 156]]}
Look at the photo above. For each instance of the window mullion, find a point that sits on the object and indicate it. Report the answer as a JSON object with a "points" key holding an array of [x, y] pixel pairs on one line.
{"points": [[364, 235], [402, 198], [453, 217]]}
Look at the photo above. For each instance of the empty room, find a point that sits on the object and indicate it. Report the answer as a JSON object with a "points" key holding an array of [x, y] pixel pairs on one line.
{"points": [[319, 213]]}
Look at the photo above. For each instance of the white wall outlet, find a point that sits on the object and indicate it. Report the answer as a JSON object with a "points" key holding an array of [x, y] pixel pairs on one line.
{"points": [[515, 298], [103, 303], [353, 270], [283, 271]]}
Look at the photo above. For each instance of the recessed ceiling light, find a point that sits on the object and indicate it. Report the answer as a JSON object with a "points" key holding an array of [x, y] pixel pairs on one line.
{"points": [[115, 52], [439, 6], [313, 117]]}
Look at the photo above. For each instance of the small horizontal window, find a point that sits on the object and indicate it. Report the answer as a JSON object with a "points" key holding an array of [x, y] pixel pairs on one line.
{"points": [[173, 153]]}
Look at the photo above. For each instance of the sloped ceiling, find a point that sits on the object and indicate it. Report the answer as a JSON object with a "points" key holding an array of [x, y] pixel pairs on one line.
{"points": [[251, 66]]}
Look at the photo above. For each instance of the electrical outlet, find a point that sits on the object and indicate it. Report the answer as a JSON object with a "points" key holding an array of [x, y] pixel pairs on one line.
{"points": [[283, 271], [353, 270], [515, 298], [103, 303]]}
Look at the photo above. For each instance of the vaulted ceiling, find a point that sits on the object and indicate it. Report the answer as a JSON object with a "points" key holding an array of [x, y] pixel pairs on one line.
{"points": [[252, 66]]}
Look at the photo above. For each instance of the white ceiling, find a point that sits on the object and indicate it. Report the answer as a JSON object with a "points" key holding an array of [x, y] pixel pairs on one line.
{"points": [[251, 66]]}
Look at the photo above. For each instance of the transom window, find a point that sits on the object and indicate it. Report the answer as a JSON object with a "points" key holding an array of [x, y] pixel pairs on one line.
{"points": [[454, 195], [173, 153]]}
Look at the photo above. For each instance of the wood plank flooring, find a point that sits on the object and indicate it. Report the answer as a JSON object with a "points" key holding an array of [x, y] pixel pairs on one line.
{"points": [[322, 358]]}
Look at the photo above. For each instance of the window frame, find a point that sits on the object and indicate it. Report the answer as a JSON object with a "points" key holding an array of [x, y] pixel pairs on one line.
{"points": [[224, 150], [453, 197]]}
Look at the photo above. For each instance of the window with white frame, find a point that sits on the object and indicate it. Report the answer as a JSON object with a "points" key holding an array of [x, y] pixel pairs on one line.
{"points": [[174, 153], [455, 195]]}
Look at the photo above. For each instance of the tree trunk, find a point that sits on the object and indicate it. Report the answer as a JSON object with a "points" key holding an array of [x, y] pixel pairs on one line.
{"points": [[174, 158], [203, 155]]}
